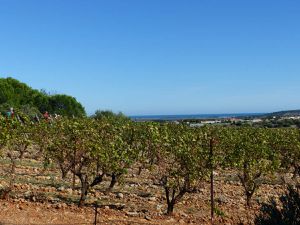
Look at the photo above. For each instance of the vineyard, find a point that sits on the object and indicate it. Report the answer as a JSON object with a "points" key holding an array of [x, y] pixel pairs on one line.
{"points": [[145, 171]]}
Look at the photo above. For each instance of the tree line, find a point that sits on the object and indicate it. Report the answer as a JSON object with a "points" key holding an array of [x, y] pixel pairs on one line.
{"points": [[18, 95]]}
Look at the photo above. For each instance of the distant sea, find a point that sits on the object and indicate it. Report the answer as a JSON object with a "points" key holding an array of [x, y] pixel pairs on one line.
{"points": [[195, 116]]}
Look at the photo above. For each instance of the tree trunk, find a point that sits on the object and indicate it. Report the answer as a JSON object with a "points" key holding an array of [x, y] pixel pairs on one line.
{"points": [[64, 170], [170, 207], [84, 192], [244, 178], [140, 170], [296, 173], [74, 165], [5, 193], [170, 204], [248, 199], [173, 199], [114, 180], [73, 181], [84, 189]]}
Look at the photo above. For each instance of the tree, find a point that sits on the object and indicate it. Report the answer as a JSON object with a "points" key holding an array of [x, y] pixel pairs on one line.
{"points": [[17, 142], [65, 105], [215, 141], [286, 141], [3, 132], [75, 147], [182, 163], [117, 140], [109, 115], [18, 95], [254, 158], [147, 137]]}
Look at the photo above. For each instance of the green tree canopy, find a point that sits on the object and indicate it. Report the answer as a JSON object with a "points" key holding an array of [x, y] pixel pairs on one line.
{"points": [[107, 114], [16, 94]]}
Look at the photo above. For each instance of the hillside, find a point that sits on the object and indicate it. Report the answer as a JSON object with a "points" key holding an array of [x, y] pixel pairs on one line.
{"points": [[285, 113]]}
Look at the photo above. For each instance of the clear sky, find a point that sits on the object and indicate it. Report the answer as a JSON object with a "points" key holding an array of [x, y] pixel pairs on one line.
{"points": [[157, 56]]}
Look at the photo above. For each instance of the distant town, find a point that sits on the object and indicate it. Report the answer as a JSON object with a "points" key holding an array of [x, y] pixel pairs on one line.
{"points": [[271, 120]]}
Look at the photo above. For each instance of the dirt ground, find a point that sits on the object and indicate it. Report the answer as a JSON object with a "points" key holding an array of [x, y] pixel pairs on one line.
{"points": [[42, 197]]}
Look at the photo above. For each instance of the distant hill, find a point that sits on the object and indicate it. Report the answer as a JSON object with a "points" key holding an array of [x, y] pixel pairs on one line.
{"points": [[285, 113], [20, 96]]}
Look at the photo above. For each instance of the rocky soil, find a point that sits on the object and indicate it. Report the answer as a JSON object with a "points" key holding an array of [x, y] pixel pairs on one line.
{"points": [[42, 197]]}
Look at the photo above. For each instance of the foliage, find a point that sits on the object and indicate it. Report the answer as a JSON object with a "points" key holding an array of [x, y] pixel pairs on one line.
{"points": [[109, 115], [17, 142], [65, 105], [3, 132], [179, 157], [117, 144], [286, 141], [182, 162], [287, 213], [20, 96], [74, 148], [253, 156]]}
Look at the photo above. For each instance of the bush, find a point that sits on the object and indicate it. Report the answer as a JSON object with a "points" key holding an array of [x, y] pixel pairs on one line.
{"points": [[288, 213]]}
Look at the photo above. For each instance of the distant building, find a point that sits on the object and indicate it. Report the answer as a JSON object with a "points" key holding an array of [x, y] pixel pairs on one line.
{"points": [[256, 120], [211, 121], [196, 125]]}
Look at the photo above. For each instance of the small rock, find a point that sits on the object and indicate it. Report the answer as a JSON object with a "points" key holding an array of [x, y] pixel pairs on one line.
{"points": [[147, 218], [61, 188], [183, 214], [221, 199], [132, 214], [171, 220], [201, 190], [181, 221], [152, 199], [144, 211], [106, 207], [120, 195], [69, 191], [117, 206], [19, 207], [58, 206], [27, 193], [144, 194], [22, 200], [34, 187], [153, 186], [159, 207], [53, 200]]}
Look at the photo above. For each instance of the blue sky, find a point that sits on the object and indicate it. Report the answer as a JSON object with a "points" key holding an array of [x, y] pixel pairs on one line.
{"points": [[157, 56]]}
